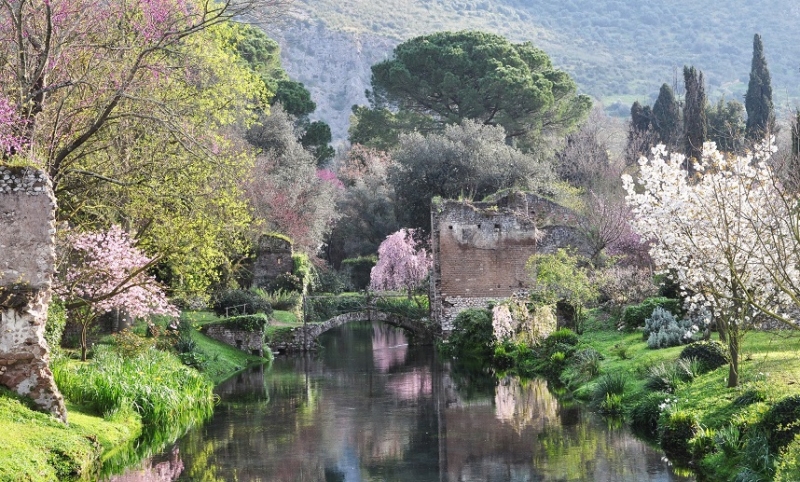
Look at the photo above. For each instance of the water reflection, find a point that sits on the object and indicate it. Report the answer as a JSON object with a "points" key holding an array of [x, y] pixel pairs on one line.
{"points": [[373, 408]]}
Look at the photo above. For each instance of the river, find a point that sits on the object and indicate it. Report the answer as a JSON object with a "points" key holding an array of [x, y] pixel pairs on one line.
{"points": [[370, 407]]}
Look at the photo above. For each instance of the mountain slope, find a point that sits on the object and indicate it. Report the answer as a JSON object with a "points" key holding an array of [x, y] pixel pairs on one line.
{"points": [[615, 49]]}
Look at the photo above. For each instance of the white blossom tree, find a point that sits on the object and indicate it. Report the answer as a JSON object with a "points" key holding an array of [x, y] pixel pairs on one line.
{"points": [[729, 235], [402, 263]]}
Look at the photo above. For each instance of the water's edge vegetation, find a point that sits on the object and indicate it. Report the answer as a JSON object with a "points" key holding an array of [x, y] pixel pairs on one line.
{"points": [[124, 404], [675, 397]]}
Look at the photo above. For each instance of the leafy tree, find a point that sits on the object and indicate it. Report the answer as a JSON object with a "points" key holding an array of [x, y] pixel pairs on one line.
{"points": [[560, 276], [726, 125], [286, 191], [469, 160], [666, 117], [367, 206], [262, 54], [380, 128], [452, 76], [584, 161], [694, 115], [295, 98], [728, 236], [11, 123], [758, 99], [641, 136], [102, 271], [402, 263], [316, 139]]}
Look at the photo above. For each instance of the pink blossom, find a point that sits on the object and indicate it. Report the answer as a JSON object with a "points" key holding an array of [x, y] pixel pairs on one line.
{"points": [[10, 125], [329, 176], [105, 271], [401, 264]]}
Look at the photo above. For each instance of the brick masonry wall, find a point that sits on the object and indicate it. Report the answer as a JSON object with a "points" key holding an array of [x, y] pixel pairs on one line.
{"points": [[480, 249]]}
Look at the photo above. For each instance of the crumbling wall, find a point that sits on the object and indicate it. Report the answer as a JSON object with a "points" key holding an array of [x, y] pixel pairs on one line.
{"points": [[27, 265], [250, 341], [480, 248], [273, 258]]}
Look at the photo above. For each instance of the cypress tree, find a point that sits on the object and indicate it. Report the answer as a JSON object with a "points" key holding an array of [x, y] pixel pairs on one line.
{"points": [[758, 100], [796, 135], [694, 113], [666, 117]]}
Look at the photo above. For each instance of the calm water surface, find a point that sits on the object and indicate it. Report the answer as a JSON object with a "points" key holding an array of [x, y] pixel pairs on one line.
{"points": [[372, 408]]}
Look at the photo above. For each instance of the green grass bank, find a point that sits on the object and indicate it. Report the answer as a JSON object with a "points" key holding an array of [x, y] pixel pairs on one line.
{"points": [[104, 431]]}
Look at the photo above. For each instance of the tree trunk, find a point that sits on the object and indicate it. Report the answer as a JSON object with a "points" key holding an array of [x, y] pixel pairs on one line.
{"points": [[84, 329], [733, 346]]}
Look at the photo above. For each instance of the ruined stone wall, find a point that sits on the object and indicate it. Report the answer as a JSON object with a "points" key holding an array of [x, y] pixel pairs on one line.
{"points": [[273, 258], [27, 265], [480, 249], [250, 341]]}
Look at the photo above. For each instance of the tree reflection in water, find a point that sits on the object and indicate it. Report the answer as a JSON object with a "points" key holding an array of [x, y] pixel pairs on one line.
{"points": [[371, 407]]}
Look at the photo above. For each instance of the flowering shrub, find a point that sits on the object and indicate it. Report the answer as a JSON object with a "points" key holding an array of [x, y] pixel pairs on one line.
{"points": [[102, 271], [728, 235], [402, 263]]}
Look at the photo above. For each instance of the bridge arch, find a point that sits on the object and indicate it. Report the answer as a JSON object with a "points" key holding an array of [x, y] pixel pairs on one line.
{"points": [[304, 338]]}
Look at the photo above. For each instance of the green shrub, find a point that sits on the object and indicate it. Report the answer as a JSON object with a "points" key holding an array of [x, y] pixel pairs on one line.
{"points": [[331, 281], [564, 336], [54, 326], [781, 422], [286, 282], [252, 323], [472, 334], [710, 354], [634, 316], [612, 405], [417, 307], [128, 344], [663, 330], [677, 429], [325, 307], [703, 443], [665, 376], [359, 270], [240, 302], [282, 300], [647, 411], [729, 441], [609, 384], [584, 365], [788, 467]]}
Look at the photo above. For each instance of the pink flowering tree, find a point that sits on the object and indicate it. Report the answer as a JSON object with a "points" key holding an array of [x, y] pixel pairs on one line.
{"points": [[402, 263], [103, 271], [11, 123]]}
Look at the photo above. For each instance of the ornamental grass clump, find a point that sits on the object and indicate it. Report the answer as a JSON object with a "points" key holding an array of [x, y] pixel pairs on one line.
{"points": [[154, 384]]}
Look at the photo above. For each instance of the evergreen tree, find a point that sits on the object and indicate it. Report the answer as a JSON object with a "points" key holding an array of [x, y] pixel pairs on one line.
{"points": [[641, 137], [666, 117], [726, 125], [758, 100], [694, 114], [796, 135]]}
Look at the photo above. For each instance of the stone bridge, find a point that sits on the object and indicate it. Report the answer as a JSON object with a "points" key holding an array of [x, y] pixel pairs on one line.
{"points": [[304, 338]]}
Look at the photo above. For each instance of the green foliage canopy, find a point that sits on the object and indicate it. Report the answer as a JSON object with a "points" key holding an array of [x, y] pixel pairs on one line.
{"points": [[452, 76]]}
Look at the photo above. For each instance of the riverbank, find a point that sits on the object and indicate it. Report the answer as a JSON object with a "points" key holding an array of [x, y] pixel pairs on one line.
{"points": [[719, 432], [36, 447]]}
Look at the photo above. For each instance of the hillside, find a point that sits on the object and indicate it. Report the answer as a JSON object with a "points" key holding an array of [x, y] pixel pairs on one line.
{"points": [[617, 50]]}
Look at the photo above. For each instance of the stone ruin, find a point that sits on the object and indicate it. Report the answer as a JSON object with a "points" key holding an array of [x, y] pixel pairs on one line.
{"points": [[27, 265], [273, 258], [480, 248]]}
